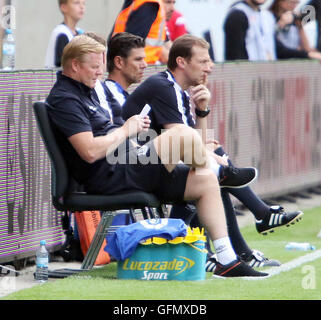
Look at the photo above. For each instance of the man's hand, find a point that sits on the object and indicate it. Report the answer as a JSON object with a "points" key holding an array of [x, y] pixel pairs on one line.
{"points": [[222, 160], [286, 19], [201, 96], [212, 145], [315, 55], [136, 124]]}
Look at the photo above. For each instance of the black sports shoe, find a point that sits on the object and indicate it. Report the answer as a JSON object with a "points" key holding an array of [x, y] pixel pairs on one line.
{"points": [[257, 260], [236, 268], [277, 218], [232, 177]]}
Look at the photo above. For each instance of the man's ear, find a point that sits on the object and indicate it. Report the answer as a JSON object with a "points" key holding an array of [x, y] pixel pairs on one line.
{"points": [[181, 62], [75, 65], [118, 62], [63, 8]]}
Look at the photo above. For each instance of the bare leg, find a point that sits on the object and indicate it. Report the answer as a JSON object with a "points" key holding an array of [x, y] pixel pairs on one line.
{"points": [[206, 191], [202, 184]]}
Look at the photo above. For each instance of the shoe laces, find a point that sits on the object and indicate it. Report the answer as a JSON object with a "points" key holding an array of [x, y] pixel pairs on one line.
{"points": [[258, 255], [233, 169], [277, 209]]}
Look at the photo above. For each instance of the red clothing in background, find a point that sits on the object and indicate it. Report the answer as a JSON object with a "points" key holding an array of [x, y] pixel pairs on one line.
{"points": [[176, 26]]}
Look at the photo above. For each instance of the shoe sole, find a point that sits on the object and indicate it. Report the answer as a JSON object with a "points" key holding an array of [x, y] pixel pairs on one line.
{"points": [[243, 185], [244, 278], [293, 221]]}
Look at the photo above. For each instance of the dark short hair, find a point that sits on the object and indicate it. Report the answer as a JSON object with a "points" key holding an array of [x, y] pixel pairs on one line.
{"points": [[120, 45], [275, 6], [182, 47]]}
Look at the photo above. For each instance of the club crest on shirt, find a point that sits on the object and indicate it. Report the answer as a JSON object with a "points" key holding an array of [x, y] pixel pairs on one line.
{"points": [[92, 108], [154, 223]]}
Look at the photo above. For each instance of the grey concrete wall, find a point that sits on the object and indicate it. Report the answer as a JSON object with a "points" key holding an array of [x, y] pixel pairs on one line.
{"points": [[37, 18]]}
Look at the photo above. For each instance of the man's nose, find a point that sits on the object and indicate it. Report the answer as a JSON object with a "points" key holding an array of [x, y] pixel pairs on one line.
{"points": [[210, 66], [144, 64]]}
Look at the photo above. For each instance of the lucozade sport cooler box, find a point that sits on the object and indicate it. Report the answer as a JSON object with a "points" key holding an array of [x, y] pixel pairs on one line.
{"points": [[182, 258]]}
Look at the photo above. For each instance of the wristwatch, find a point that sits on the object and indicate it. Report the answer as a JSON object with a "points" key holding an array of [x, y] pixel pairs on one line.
{"points": [[202, 113]]}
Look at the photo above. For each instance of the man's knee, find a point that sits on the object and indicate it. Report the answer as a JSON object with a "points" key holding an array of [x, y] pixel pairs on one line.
{"points": [[201, 182], [181, 130], [207, 179], [187, 136], [210, 177]]}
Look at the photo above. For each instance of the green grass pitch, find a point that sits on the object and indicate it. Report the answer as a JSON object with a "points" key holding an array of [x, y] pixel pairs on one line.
{"points": [[300, 283]]}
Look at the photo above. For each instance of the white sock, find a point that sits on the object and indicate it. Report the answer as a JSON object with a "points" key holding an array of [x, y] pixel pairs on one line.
{"points": [[215, 167], [224, 250]]}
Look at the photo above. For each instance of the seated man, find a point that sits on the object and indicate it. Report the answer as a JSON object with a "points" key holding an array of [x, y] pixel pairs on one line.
{"points": [[87, 138], [166, 92]]}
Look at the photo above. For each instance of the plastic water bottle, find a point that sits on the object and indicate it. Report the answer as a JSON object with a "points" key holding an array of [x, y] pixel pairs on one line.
{"points": [[299, 246], [8, 51], [42, 260]]}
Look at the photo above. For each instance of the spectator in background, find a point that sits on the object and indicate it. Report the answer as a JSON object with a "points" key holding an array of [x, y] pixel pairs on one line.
{"points": [[73, 11], [176, 25], [175, 21], [249, 32], [250, 35], [145, 18], [289, 26]]}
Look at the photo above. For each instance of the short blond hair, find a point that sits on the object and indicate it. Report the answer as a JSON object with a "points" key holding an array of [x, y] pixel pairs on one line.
{"points": [[78, 47]]}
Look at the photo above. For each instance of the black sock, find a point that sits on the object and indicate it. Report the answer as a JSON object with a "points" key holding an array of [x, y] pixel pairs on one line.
{"points": [[239, 244], [251, 201], [247, 196]]}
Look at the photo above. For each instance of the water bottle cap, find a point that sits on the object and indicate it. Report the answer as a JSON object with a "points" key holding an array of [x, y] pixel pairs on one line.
{"points": [[43, 242], [8, 31]]}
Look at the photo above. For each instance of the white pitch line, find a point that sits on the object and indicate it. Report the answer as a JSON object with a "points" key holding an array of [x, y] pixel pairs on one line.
{"points": [[294, 263]]}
